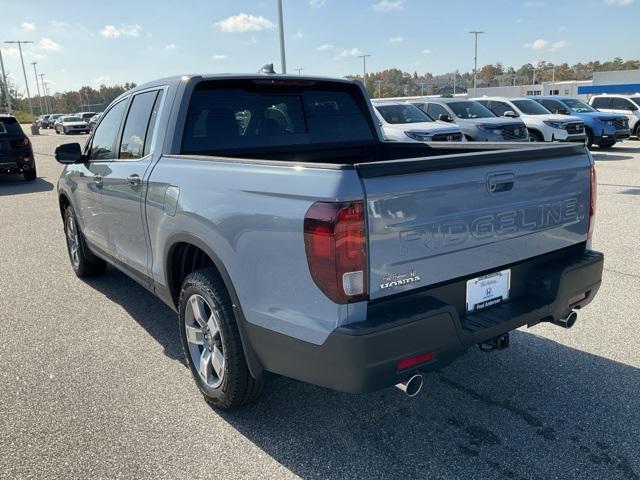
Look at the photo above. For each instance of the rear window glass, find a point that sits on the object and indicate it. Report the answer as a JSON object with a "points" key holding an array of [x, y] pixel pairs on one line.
{"points": [[10, 127], [250, 116]]}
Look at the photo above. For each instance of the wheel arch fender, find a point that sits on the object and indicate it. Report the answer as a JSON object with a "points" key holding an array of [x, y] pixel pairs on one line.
{"points": [[177, 239]]}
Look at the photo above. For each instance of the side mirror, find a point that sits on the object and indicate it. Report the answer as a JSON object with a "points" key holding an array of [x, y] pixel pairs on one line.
{"points": [[510, 114], [445, 118], [69, 153], [632, 108]]}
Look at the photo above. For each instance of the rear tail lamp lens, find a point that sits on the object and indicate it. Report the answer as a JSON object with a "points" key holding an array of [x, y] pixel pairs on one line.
{"points": [[335, 243], [593, 196]]}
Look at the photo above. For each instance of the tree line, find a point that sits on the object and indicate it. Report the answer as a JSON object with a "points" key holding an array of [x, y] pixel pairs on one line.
{"points": [[396, 83]]}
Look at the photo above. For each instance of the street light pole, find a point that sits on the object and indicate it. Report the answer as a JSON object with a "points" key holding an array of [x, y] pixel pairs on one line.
{"points": [[44, 92], [283, 61], [475, 33], [24, 71], [299, 70], [364, 69], [6, 85], [35, 72]]}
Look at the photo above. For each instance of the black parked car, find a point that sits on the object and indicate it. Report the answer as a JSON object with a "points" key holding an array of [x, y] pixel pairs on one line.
{"points": [[16, 154]]}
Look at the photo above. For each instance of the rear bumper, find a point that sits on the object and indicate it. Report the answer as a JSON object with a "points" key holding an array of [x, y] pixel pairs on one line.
{"points": [[15, 164], [362, 357]]}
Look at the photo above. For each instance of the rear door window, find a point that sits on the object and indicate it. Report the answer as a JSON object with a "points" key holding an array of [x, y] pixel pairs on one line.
{"points": [[434, 111], [619, 103], [500, 108], [251, 115]]}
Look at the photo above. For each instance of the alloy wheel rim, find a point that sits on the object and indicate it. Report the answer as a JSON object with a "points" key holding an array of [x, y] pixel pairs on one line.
{"points": [[73, 241], [204, 339]]}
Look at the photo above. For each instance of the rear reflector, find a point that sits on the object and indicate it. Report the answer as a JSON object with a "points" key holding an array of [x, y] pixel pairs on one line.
{"points": [[577, 298], [335, 243], [413, 361]]}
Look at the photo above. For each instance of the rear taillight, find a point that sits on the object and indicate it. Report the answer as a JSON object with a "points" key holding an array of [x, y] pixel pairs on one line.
{"points": [[335, 242], [593, 196]]}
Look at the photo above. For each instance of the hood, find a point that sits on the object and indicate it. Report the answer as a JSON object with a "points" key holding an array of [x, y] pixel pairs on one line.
{"points": [[555, 117], [430, 127], [608, 116]]}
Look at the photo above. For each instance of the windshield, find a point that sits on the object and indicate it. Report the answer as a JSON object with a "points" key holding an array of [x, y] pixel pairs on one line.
{"points": [[71, 119], [396, 114], [529, 107], [578, 106], [9, 126], [470, 110]]}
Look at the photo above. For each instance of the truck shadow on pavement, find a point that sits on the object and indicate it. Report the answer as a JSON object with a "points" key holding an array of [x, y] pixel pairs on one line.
{"points": [[16, 185], [536, 410], [609, 157]]}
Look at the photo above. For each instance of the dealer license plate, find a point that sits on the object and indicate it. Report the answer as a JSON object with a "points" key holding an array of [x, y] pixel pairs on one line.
{"points": [[488, 290]]}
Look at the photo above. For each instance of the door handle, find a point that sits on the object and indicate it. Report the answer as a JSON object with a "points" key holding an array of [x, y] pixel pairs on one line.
{"points": [[134, 180], [97, 179], [502, 182]]}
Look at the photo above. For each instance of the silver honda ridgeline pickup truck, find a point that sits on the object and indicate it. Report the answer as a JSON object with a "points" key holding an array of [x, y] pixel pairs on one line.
{"points": [[291, 240]]}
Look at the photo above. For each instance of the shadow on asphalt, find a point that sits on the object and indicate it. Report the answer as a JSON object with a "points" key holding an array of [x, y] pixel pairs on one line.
{"points": [[536, 410], [608, 157], [16, 185]]}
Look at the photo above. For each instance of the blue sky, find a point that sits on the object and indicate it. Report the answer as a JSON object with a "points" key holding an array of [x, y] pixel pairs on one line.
{"points": [[87, 43]]}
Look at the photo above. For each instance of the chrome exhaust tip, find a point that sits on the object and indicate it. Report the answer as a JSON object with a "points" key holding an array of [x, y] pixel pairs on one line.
{"points": [[568, 321], [412, 386]]}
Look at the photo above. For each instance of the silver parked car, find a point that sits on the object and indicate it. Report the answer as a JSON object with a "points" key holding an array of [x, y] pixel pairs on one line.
{"points": [[71, 124], [476, 121]]}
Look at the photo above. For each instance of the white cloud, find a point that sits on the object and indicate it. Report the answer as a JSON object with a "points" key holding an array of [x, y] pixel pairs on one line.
{"points": [[520, 20], [351, 52], [111, 31], [11, 51], [324, 47], [396, 39], [48, 44], [317, 3], [618, 3], [170, 46], [542, 44], [219, 57], [534, 4], [539, 44], [555, 46], [426, 51], [101, 80], [388, 5], [244, 22], [298, 34], [59, 24], [563, 28], [27, 27]]}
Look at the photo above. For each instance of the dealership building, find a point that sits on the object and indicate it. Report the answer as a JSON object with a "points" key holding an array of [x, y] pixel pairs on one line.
{"points": [[624, 81]]}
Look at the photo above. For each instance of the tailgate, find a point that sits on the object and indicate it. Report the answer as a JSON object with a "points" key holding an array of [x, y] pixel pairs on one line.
{"points": [[460, 215]]}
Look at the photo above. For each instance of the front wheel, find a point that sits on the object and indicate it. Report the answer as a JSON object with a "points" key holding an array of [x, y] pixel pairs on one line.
{"points": [[30, 175], [83, 262], [606, 145], [589, 142], [211, 342], [535, 136]]}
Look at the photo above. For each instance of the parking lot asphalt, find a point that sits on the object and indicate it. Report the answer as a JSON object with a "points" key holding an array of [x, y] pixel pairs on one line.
{"points": [[93, 385]]}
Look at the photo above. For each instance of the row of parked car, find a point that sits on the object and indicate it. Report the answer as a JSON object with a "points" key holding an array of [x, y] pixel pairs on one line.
{"points": [[499, 119], [81, 122]]}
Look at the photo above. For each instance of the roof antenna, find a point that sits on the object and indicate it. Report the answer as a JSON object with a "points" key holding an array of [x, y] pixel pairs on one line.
{"points": [[267, 69]]}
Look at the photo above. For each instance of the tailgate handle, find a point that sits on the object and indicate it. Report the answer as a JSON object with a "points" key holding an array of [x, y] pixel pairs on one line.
{"points": [[500, 182]]}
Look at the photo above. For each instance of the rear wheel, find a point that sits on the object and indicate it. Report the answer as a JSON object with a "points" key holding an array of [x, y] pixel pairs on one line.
{"points": [[606, 145], [83, 262], [30, 175], [211, 342]]}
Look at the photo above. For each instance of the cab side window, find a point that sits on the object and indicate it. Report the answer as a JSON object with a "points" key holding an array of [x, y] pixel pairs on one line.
{"points": [[138, 128], [554, 106], [104, 138], [601, 102], [619, 103], [499, 108], [434, 111]]}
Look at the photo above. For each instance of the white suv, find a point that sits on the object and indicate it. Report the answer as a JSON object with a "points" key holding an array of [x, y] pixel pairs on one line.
{"points": [[543, 125], [627, 105], [404, 122]]}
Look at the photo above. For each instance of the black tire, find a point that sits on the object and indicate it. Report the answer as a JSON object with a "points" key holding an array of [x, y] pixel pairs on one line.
{"points": [[535, 136], [637, 131], [88, 265], [237, 387], [30, 175], [57, 132], [64, 131], [604, 146], [589, 142]]}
